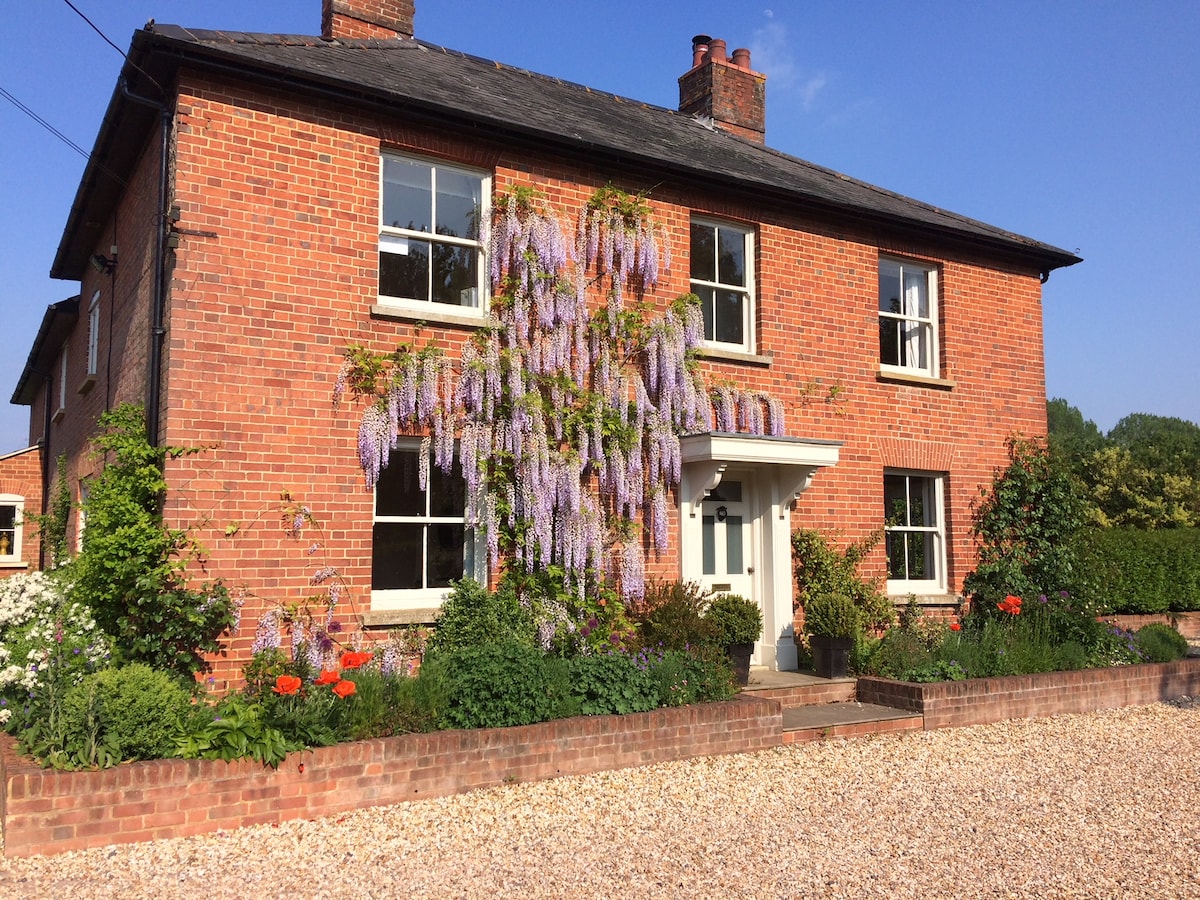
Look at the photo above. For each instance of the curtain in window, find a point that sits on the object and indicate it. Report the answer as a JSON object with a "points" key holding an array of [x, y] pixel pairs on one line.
{"points": [[916, 306]]}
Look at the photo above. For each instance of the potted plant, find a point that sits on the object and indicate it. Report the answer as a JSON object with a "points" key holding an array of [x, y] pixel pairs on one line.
{"points": [[737, 624], [832, 622]]}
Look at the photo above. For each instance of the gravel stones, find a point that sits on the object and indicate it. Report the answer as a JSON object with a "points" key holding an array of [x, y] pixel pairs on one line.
{"points": [[1095, 805]]}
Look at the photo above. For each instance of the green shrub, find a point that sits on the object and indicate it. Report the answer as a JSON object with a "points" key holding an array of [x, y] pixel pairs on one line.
{"points": [[496, 685], [735, 620], [233, 729], [142, 709], [831, 615], [1024, 525], [671, 616], [473, 616], [821, 570], [386, 705], [132, 569], [696, 676], [898, 653], [1159, 642], [611, 683]]}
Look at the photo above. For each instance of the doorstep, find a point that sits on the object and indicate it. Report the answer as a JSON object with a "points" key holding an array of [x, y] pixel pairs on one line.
{"points": [[846, 719]]}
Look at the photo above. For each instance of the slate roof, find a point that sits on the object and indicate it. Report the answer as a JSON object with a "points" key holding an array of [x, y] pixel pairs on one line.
{"points": [[430, 83]]}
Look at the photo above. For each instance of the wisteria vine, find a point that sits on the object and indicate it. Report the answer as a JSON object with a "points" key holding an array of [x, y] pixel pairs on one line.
{"points": [[568, 418]]}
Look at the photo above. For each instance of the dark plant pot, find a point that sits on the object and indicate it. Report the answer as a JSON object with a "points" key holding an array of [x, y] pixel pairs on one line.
{"points": [[739, 656], [831, 655]]}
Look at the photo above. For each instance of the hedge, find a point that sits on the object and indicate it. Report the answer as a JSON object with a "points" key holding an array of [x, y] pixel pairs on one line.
{"points": [[1131, 572]]}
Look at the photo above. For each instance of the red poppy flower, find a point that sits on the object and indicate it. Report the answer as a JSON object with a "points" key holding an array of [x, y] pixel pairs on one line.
{"points": [[287, 685], [345, 688], [327, 676], [352, 659], [954, 626]]}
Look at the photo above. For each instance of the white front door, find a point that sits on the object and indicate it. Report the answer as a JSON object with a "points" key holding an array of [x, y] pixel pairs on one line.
{"points": [[727, 547]]}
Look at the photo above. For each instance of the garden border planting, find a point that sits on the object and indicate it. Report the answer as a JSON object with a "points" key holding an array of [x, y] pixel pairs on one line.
{"points": [[982, 701], [47, 811]]}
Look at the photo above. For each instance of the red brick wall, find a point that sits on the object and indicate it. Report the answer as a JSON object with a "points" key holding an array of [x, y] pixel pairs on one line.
{"points": [[978, 701], [21, 476], [54, 812], [259, 313]]}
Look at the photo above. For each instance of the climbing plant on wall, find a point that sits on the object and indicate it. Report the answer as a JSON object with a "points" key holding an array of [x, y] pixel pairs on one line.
{"points": [[568, 411]]}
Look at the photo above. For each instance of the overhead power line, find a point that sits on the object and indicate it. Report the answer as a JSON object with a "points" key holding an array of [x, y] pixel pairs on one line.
{"points": [[50, 128]]}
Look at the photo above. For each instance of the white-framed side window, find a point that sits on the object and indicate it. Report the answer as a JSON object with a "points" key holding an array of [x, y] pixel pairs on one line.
{"points": [[722, 276], [12, 509], [81, 515], [420, 539], [915, 531], [62, 385], [430, 227], [908, 338], [93, 351]]}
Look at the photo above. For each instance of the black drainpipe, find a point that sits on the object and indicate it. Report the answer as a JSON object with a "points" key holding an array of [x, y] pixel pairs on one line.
{"points": [[158, 310]]}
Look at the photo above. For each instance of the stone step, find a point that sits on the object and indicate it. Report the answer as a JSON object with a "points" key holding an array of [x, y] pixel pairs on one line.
{"points": [[845, 719]]}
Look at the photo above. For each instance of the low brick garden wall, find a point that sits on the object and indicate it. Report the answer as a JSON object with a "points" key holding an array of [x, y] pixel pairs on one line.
{"points": [[980, 701], [46, 811], [1186, 623]]}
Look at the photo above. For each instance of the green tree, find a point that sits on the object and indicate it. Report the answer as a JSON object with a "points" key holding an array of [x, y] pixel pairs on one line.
{"points": [[1070, 434], [1162, 444], [1024, 525]]}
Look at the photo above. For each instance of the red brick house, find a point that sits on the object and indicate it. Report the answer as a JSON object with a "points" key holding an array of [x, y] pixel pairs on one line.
{"points": [[289, 176]]}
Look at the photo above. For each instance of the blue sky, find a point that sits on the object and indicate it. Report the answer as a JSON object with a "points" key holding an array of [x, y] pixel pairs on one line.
{"points": [[1075, 123]]}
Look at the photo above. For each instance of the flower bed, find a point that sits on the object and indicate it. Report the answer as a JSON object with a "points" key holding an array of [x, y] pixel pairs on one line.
{"points": [[980, 701], [49, 811]]}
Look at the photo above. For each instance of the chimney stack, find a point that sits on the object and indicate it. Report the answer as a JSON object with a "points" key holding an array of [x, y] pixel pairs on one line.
{"points": [[725, 90], [367, 18]]}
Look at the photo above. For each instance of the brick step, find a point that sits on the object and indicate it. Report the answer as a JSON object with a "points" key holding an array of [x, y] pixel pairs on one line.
{"points": [[843, 719]]}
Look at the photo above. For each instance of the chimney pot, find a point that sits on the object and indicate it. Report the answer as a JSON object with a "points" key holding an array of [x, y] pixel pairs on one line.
{"points": [[741, 58], [699, 49], [726, 91], [716, 50]]}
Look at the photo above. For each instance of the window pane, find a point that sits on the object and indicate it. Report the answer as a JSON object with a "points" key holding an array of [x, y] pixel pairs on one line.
{"points": [[396, 556], [730, 321], [889, 342], [895, 555], [407, 195], [920, 556], [895, 502], [707, 297], [457, 204], [889, 288], [445, 554], [708, 545], [916, 297], [733, 257], [733, 545], [398, 492], [8, 517], [447, 493], [914, 346], [703, 252], [454, 275], [403, 268]]}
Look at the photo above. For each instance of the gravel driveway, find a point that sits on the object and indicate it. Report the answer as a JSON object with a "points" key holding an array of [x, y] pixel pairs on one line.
{"points": [[1097, 805]]}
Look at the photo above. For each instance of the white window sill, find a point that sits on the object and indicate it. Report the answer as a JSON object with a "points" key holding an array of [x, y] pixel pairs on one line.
{"points": [[928, 597], [917, 379], [434, 313], [738, 356], [58, 414], [88, 383], [387, 618], [13, 564]]}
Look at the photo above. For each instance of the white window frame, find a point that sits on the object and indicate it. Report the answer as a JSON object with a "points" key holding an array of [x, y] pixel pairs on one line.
{"points": [[393, 240], [749, 306], [474, 554], [85, 490], [917, 326], [93, 350], [935, 484], [14, 551]]}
